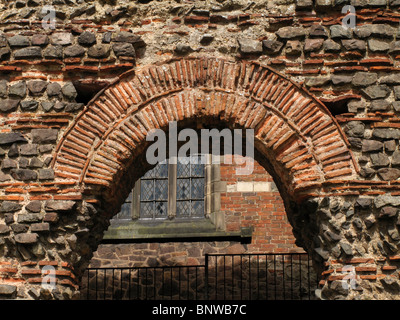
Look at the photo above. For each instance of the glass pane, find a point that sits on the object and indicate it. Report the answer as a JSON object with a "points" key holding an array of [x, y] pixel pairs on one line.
{"points": [[125, 212], [183, 189], [183, 209], [161, 209], [161, 189], [146, 210], [182, 170], [197, 188], [197, 209], [146, 190]]}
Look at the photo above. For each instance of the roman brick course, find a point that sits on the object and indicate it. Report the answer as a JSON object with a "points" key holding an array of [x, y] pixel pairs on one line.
{"points": [[323, 101]]}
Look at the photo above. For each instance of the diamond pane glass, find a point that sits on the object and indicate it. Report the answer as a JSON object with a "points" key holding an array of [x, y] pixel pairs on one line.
{"points": [[183, 189], [183, 209], [146, 210], [146, 190], [161, 209], [183, 170], [197, 209], [161, 190], [197, 188]]}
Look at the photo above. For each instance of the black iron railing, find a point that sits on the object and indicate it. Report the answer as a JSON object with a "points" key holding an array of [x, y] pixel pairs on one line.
{"points": [[222, 277]]}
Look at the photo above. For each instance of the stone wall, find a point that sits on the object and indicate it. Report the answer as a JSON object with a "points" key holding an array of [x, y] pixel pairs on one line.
{"points": [[333, 91]]}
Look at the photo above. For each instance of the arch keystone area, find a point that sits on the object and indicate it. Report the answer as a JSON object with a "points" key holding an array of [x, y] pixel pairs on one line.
{"points": [[293, 130]]}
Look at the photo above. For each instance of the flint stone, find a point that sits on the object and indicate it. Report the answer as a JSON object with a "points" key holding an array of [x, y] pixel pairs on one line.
{"points": [[379, 160], [29, 150], [317, 30], [341, 79], [9, 105], [74, 50], [377, 91], [389, 133], [346, 248], [13, 151], [37, 87], [40, 227], [19, 228], [46, 174], [23, 174], [249, 46], [4, 177], [355, 129], [129, 37], [388, 212], [69, 91], [18, 89], [338, 31], [364, 203], [380, 105], [34, 206], [390, 146], [124, 49], [29, 105], [388, 174], [61, 38], [354, 44], [87, 38], [9, 206], [53, 52], [44, 135], [331, 46], [59, 206], [29, 217], [99, 51], [367, 30], [386, 200], [371, 146], [3, 88], [26, 238], [29, 52], [272, 46], [291, 32], [396, 158], [378, 45], [390, 79], [18, 41], [357, 223], [47, 105], [36, 163], [4, 229], [7, 290], [313, 44], [397, 92], [53, 89], [317, 81], [364, 79], [40, 40], [11, 137]]}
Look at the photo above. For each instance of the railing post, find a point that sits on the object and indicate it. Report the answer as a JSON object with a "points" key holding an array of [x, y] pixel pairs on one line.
{"points": [[206, 275]]}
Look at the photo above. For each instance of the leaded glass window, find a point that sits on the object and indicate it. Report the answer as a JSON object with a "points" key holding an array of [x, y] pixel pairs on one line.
{"points": [[154, 193], [168, 191]]}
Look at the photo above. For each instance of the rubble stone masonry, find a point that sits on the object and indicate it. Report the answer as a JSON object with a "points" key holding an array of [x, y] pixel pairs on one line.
{"points": [[77, 101]]}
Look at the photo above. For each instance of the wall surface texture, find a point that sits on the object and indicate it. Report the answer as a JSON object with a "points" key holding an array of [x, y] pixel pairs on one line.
{"points": [[77, 101]]}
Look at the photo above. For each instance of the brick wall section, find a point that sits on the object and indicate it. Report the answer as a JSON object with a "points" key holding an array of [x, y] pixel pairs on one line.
{"points": [[53, 210]]}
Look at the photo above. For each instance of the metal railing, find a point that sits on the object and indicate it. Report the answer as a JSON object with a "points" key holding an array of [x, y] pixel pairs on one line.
{"points": [[264, 276]]}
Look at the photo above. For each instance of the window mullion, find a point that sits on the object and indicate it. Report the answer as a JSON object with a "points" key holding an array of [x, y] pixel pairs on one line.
{"points": [[172, 180]]}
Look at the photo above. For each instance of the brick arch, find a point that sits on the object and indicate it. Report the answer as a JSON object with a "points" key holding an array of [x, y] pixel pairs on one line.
{"points": [[293, 130]]}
